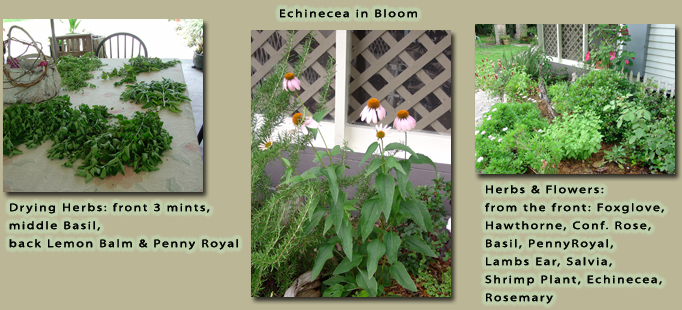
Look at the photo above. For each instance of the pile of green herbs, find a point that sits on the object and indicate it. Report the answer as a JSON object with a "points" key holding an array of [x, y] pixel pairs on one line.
{"points": [[74, 71], [164, 94], [86, 133], [136, 66]]}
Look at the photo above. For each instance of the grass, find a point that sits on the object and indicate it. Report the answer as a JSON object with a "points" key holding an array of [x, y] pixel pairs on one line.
{"points": [[494, 52]]}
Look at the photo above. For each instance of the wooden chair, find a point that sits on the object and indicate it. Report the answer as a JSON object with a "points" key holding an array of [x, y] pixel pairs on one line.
{"points": [[118, 42], [74, 44]]}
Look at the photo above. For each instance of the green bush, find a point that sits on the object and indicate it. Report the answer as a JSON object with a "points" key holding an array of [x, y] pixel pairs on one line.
{"points": [[497, 145], [593, 91], [529, 60], [577, 135], [519, 85]]}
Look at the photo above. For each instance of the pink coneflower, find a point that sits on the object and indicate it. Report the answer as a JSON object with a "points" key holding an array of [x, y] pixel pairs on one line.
{"points": [[404, 121], [300, 123], [291, 82], [373, 111]]}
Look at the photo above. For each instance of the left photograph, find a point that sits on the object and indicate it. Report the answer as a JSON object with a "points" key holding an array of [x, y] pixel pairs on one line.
{"points": [[351, 186], [99, 105]]}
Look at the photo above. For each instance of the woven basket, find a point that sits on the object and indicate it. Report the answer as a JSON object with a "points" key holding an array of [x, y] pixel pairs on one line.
{"points": [[28, 78]]}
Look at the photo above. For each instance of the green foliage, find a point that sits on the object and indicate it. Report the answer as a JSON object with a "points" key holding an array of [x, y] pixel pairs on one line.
{"points": [[433, 286], [73, 24], [192, 30], [284, 240], [617, 155], [609, 55], [650, 129], [577, 135], [529, 60], [496, 151], [520, 85], [484, 29], [85, 133], [595, 90], [136, 66], [165, 94], [74, 71], [433, 197]]}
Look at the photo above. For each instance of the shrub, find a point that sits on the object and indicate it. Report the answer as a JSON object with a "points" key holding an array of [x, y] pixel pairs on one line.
{"points": [[577, 135], [650, 129], [519, 85], [593, 91], [497, 148]]}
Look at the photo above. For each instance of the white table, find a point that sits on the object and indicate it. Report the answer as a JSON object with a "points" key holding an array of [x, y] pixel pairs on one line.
{"points": [[182, 169]]}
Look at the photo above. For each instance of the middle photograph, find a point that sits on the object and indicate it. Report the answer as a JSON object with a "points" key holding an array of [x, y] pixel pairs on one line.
{"points": [[351, 163]]}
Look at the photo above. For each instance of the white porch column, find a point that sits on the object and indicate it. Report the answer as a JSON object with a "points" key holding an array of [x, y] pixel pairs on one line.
{"points": [[343, 52]]}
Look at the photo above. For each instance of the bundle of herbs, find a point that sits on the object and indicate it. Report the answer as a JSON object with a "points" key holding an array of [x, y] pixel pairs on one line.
{"points": [[85, 133], [74, 71], [164, 94], [137, 65]]}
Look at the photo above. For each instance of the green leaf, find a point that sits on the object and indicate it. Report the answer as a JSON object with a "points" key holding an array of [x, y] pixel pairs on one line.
{"points": [[324, 252], [373, 165], [391, 162], [428, 224], [422, 159], [369, 284], [401, 276], [370, 213], [336, 212], [376, 250], [385, 185], [417, 244], [333, 187], [335, 290], [399, 146], [392, 241], [403, 178], [346, 235], [410, 208], [347, 264], [314, 220], [370, 150]]}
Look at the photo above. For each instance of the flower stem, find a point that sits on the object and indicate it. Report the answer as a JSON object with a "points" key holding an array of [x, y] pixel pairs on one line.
{"points": [[405, 143], [318, 131]]}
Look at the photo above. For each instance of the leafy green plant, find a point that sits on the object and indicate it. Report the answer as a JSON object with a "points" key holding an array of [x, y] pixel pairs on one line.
{"points": [[161, 94], [577, 134], [74, 71], [84, 133], [616, 155], [433, 286], [73, 25], [519, 85], [609, 54], [651, 136], [136, 66], [282, 250], [529, 60], [497, 148]]}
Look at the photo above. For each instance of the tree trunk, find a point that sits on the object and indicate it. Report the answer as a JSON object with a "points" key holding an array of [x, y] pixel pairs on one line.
{"points": [[521, 30], [500, 29]]}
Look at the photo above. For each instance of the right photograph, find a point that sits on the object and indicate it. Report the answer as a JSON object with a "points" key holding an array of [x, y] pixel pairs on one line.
{"points": [[574, 99]]}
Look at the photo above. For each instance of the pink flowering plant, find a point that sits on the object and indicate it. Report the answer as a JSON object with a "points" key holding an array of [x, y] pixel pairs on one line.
{"points": [[310, 222], [368, 247], [610, 53]]}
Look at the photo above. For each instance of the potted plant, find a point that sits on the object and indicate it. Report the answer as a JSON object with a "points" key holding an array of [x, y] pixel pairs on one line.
{"points": [[199, 56], [192, 30], [504, 39], [525, 39]]}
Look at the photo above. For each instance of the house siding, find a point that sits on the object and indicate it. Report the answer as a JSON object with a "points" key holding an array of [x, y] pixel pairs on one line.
{"points": [[660, 61]]}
